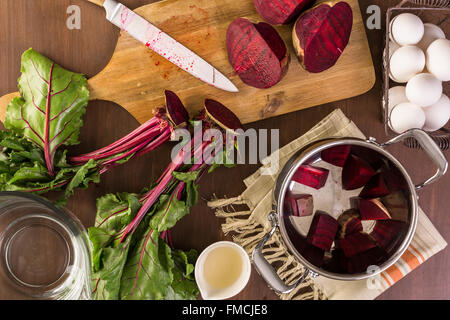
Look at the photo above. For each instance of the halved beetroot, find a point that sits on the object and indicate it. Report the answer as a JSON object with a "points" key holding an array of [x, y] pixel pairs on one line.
{"points": [[222, 116], [300, 205], [386, 232], [314, 177], [397, 205], [322, 232], [356, 243], [321, 34], [359, 263], [257, 53], [350, 222], [336, 155], [356, 173], [372, 209], [375, 188], [175, 109], [280, 11]]}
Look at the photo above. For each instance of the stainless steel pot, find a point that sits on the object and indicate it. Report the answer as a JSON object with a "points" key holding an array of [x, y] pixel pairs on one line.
{"points": [[313, 151]]}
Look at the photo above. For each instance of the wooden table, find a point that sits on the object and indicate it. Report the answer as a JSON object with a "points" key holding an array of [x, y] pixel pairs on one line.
{"points": [[41, 24]]}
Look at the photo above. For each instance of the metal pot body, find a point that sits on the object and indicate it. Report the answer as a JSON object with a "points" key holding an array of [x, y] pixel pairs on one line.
{"points": [[314, 149]]}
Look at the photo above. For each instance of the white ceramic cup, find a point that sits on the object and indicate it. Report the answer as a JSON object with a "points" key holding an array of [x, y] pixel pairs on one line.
{"points": [[210, 293]]}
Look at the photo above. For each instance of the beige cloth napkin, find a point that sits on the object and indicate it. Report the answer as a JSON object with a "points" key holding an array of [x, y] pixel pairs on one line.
{"points": [[246, 219]]}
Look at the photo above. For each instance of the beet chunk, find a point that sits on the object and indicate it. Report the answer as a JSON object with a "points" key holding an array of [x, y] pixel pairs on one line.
{"points": [[222, 116], [386, 232], [356, 173], [280, 11], [300, 205], [349, 222], [336, 155], [321, 34], [373, 209], [322, 231], [375, 188], [310, 176], [356, 243], [360, 262], [175, 109], [397, 205], [257, 53]]}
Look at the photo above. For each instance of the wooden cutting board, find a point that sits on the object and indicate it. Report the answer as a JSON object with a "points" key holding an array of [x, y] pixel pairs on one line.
{"points": [[136, 77]]}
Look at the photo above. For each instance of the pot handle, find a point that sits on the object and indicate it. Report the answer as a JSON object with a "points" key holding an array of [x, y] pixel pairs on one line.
{"points": [[266, 270], [431, 149]]}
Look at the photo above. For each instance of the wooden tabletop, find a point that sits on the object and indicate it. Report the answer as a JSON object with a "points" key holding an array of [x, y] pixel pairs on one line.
{"points": [[41, 24]]}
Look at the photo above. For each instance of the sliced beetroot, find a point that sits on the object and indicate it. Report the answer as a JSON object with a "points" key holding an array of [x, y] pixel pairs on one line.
{"points": [[375, 188], [360, 263], [356, 243], [309, 252], [314, 177], [257, 53], [222, 116], [336, 155], [322, 232], [321, 34], [176, 111], [356, 173], [397, 205], [372, 209], [349, 222], [300, 205], [386, 232], [280, 11]]}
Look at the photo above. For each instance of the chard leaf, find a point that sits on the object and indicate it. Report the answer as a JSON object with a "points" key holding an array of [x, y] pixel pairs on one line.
{"points": [[52, 103], [36, 173], [169, 211], [183, 285], [147, 274]]}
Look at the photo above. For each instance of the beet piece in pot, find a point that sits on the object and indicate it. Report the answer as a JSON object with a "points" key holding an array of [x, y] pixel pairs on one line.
{"points": [[356, 173], [314, 177], [322, 232], [349, 222], [300, 205], [356, 243], [386, 232], [373, 209], [336, 155], [375, 188]]}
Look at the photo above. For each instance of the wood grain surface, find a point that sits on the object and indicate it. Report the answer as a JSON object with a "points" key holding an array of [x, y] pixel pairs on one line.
{"points": [[41, 24], [136, 77]]}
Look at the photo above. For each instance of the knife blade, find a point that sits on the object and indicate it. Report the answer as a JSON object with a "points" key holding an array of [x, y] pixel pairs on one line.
{"points": [[167, 47]]}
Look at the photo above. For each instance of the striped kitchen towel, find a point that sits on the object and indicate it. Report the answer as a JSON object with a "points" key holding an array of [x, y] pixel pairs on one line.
{"points": [[249, 225]]}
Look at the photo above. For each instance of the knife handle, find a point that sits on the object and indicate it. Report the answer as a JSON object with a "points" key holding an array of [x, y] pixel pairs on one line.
{"points": [[97, 2]]}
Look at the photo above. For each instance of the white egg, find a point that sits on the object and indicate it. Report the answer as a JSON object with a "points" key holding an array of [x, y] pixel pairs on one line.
{"points": [[432, 33], [397, 95], [405, 63], [392, 48], [437, 115], [424, 89], [406, 29], [438, 59], [407, 116]]}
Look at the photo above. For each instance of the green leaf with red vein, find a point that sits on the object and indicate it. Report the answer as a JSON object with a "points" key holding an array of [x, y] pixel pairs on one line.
{"points": [[52, 103]]}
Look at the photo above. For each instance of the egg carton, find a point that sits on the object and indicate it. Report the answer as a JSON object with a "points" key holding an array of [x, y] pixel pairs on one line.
{"points": [[430, 11]]}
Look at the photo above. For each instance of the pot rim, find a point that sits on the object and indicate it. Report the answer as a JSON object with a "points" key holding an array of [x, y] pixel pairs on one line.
{"points": [[285, 178]]}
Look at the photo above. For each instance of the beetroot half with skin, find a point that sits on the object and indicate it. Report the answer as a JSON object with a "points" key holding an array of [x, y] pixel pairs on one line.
{"points": [[310, 176], [257, 53], [175, 109], [280, 11], [322, 232], [222, 116], [350, 222], [356, 243], [356, 173], [300, 205], [375, 188], [386, 232], [336, 155], [373, 209], [321, 34]]}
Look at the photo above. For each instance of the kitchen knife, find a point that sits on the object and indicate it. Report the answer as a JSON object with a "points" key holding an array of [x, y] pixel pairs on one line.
{"points": [[163, 44]]}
